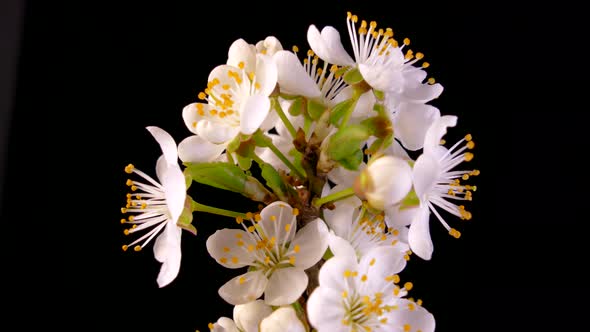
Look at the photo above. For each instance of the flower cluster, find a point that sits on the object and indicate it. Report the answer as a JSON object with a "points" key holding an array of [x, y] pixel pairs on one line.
{"points": [[323, 144]]}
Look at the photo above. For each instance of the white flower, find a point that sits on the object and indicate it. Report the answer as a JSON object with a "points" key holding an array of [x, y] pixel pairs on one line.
{"points": [[436, 184], [269, 46], [276, 254], [283, 319], [158, 206], [236, 102], [385, 181], [308, 80], [379, 58], [355, 230], [248, 316], [363, 296]]}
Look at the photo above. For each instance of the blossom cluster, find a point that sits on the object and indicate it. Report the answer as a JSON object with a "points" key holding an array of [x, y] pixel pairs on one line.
{"points": [[322, 139]]}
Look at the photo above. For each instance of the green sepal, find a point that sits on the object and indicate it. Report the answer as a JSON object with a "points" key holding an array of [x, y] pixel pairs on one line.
{"points": [[380, 95], [296, 107], [353, 161], [186, 217], [340, 110], [275, 182], [410, 201], [188, 180], [328, 254], [315, 109], [353, 76]]}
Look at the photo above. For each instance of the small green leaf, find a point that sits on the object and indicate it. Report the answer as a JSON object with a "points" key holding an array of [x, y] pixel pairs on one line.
{"points": [[340, 110], [296, 107], [353, 76], [315, 109]]}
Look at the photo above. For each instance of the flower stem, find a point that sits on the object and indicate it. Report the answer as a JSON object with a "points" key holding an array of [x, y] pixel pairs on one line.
{"points": [[334, 197], [209, 209], [283, 116], [284, 159]]}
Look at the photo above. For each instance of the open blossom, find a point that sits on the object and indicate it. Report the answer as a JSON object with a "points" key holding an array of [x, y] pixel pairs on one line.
{"points": [[155, 208], [276, 252], [364, 296], [437, 184], [379, 58], [236, 100]]}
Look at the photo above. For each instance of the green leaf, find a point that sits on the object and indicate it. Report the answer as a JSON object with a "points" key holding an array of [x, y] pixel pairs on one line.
{"points": [[353, 76], [296, 107], [228, 177], [315, 109], [347, 140], [340, 110], [353, 161], [275, 182]]}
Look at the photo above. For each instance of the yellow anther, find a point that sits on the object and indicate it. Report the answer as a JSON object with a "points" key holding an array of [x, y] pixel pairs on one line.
{"points": [[347, 274], [230, 112], [234, 260], [251, 229], [126, 232], [372, 262], [287, 227], [257, 217], [408, 286], [396, 291], [470, 145], [465, 177], [133, 188], [295, 211], [134, 226], [273, 218], [295, 48], [129, 168], [129, 183], [419, 55], [249, 215], [348, 15], [292, 260], [241, 65], [223, 260], [137, 248], [226, 249], [364, 278], [222, 114], [431, 80], [373, 24], [250, 248], [242, 280], [442, 142], [407, 327], [406, 41], [202, 96], [296, 248], [355, 18], [266, 259], [123, 221], [383, 320], [211, 326], [455, 233], [123, 210], [310, 53], [425, 64], [333, 68], [124, 247], [407, 257], [468, 137], [363, 24], [239, 219], [344, 294], [419, 302], [468, 156], [257, 86], [213, 112]]}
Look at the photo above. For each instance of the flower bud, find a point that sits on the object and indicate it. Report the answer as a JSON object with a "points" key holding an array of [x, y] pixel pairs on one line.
{"points": [[248, 316], [384, 182], [283, 319], [224, 324]]}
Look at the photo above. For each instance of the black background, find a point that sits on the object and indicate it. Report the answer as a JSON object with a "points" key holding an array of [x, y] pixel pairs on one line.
{"points": [[91, 77]]}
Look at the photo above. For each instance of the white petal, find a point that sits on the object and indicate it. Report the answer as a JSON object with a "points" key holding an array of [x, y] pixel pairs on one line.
{"points": [[226, 244], [364, 106], [382, 77], [216, 132], [419, 234], [344, 177], [381, 262], [285, 286], [266, 74], [343, 95], [340, 247], [167, 251], [395, 149], [174, 185], [292, 77], [312, 240], [391, 179], [243, 289], [397, 217], [332, 272], [276, 218], [337, 53], [411, 123], [253, 113], [248, 316], [272, 119], [283, 319], [425, 174], [221, 73], [423, 93], [418, 318], [241, 51], [195, 149], [166, 142], [191, 115], [325, 310], [436, 132], [414, 76], [224, 324]]}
